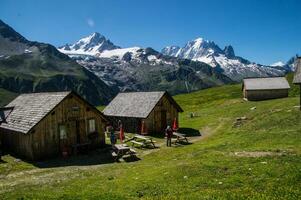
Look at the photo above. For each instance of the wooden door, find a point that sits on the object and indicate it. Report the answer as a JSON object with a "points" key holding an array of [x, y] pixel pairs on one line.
{"points": [[62, 136]]}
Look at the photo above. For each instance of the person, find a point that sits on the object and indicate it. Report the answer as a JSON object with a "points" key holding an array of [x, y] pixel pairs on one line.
{"points": [[168, 133], [111, 132], [119, 124]]}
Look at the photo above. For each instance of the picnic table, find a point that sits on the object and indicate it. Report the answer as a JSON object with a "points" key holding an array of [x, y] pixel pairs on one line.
{"points": [[180, 137], [120, 150], [142, 141]]}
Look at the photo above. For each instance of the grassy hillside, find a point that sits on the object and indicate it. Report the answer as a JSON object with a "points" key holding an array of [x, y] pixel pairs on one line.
{"points": [[258, 157], [6, 96], [295, 89]]}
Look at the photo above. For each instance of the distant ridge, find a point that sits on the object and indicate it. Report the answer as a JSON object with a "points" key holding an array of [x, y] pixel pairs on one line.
{"points": [[27, 66]]}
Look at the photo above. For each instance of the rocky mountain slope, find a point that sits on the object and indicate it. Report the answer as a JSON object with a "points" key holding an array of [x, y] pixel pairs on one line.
{"points": [[27, 66], [143, 69], [233, 66]]}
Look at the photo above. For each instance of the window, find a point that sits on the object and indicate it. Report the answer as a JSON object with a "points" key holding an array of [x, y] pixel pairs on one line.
{"points": [[75, 108], [63, 132], [92, 127]]}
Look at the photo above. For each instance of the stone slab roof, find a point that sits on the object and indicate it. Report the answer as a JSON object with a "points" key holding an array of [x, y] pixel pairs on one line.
{"points": [[272, 83], [136, 104], [30, 109]]}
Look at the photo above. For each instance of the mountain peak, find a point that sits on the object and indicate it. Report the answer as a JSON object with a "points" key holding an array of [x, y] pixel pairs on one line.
{"points": [[92, 44], [94, 37], [198, 42], [7, 32], [279, 64], [233, 66], [199, 39], [91, 40], [229, 51]]}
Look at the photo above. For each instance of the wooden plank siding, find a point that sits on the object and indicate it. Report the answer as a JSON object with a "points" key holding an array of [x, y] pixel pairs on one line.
{"points": [[44, 141], [257, 95], [17, 143], [154, 122]]}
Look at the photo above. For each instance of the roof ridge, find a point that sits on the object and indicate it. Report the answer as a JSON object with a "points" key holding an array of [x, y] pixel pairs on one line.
{"points": [[36, 93], [264, 77], [142, 92]]}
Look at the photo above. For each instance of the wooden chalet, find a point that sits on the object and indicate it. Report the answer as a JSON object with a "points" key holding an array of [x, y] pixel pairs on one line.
{"points": [[155, 109], [256, 89], [42, 125], [297, 77]]}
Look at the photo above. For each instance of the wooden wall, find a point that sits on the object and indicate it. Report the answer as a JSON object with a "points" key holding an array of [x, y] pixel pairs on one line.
{"points": [[17, 143], [155, 121], [257, 95], [130, 124], [44, 139]]}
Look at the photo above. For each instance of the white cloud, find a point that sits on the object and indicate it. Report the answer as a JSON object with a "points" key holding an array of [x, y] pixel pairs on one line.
{"points": [[90, 22]]}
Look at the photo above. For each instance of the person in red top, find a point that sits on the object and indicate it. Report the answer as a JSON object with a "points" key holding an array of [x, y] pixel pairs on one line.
{"points": [[168, 134]]}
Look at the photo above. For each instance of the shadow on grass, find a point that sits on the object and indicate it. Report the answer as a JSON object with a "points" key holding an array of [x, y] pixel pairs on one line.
{"points": [[148, 147], [189, 132], [131, 158], [159, 135], [95, 157], [182, 143]]}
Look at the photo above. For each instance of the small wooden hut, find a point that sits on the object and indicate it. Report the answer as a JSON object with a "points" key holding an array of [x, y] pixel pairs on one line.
{"points": [[42, 125], [297, 77], [155, 109], [256, 89]]}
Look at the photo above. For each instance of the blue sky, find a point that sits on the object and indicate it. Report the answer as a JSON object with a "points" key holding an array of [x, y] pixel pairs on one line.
{"points": [[263, 31]]}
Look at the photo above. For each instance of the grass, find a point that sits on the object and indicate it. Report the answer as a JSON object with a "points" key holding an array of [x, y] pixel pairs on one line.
{"points": [[210, 168], [6, 96]]}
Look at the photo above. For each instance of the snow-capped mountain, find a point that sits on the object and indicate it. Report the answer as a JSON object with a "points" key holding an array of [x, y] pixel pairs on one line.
{"points": [[142, 69], [92, 45], [233, 66], [278, 64], [290, 65], [198, 49], [136, 68]]}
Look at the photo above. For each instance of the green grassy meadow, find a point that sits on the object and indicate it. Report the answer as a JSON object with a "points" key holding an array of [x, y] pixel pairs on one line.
{"points": [[256, 158], [6, 96]]}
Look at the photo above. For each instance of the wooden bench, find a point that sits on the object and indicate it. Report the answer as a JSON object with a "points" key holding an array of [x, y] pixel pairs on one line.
{"points": [[180, 137], [121, 150], [133, 152], [143, 141], [114, 154], [136, 142]]}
